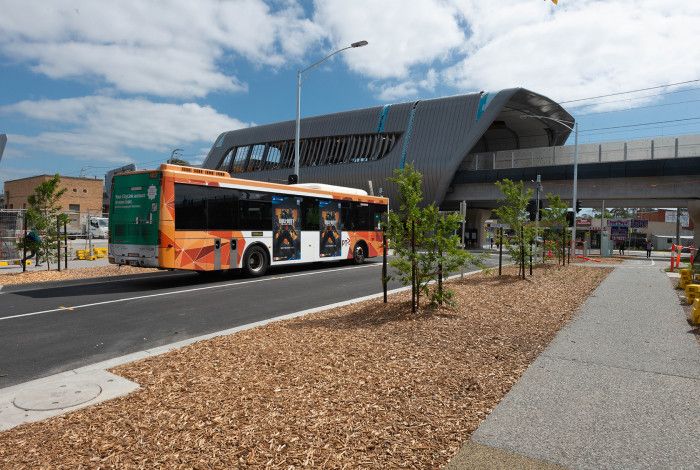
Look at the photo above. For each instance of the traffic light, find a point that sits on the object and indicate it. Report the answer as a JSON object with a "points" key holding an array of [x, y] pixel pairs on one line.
{"points": [[570, 218], [531, 209], [578, 206]]}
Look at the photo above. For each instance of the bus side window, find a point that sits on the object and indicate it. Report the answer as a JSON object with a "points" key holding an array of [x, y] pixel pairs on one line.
{"points": [[360, 216], [378, 215], [310, 214], [190, 207], [255, 211], [346, 220], [222, 208]]}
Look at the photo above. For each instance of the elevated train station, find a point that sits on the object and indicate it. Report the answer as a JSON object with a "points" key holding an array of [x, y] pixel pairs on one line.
{"points": [[463, 144]]}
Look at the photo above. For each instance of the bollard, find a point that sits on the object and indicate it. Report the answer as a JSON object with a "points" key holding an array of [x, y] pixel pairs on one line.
{"points": [[673, 248], [694, 314], [692, 292], [58, 243], [685, 279]]}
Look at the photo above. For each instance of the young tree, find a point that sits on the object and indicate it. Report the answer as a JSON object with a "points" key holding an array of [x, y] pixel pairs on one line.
{"points": [[42, 216], [552, 217], [424, 241], [513, 211]]}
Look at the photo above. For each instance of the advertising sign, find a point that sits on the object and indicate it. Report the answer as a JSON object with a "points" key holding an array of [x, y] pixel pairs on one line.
{"points": [[618, 222], [671, 216], [639, 223], [330, 229], [134, 209], [583, 222], [619, 232], [286, 242]]}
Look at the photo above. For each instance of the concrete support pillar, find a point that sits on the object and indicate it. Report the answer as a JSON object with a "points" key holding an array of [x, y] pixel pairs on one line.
{"points": [[694, 214], [476, 218]]}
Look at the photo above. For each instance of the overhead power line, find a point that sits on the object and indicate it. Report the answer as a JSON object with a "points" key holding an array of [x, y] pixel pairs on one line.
{"points": [[631, 91], [639, 124], [638, 107]]}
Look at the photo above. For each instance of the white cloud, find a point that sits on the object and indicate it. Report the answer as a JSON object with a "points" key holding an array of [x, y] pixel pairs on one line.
{"points": [[578, 49], [401, 34], [408, 88], [165, 48], [180, 48], [105, 129]]}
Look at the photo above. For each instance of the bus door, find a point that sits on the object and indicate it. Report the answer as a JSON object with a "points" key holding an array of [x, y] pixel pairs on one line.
{"points": [[310, 226]]}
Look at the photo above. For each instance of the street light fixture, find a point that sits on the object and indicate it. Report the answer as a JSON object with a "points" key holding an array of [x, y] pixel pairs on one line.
{"points": [[173, 154], [572, 126], [298, 123]]}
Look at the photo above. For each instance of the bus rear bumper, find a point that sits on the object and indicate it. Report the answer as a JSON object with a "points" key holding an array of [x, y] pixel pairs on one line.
{"points": [[145, 256]]}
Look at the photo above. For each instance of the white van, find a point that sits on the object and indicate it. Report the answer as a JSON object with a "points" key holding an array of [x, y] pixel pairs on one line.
{"points": [[99, 227]]}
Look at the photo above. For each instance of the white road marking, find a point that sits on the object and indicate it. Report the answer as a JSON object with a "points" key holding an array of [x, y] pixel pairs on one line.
{"points": [[194, 289]]}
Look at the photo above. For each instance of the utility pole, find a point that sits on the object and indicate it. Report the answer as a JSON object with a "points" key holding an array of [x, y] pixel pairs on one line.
{"points": [[463, 213]]}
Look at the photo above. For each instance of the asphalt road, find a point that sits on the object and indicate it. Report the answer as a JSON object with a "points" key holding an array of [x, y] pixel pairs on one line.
{"points": [[54, 328]]}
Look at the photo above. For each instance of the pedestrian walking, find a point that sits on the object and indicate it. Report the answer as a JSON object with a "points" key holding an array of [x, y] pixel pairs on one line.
{"points": [[649, 246]]}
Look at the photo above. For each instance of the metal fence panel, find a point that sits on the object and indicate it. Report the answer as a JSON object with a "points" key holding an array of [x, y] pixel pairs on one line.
{"points": [[11, 229]]}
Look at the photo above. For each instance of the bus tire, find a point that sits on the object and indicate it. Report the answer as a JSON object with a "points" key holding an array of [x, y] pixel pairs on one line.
{"points": [[359, 253], [255, 261]]}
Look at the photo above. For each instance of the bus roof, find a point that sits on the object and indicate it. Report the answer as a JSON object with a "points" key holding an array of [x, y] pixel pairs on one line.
{"points": [[315, 189]]}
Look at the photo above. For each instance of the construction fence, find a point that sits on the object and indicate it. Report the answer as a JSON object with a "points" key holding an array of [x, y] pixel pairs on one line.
{"points": [[81, 226]]}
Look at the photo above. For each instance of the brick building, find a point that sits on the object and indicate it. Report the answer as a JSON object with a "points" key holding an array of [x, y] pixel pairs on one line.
{"points": [[82, 194]]}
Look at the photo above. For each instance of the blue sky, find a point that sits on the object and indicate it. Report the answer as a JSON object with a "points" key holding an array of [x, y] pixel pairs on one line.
{"points": [[88, 86]]}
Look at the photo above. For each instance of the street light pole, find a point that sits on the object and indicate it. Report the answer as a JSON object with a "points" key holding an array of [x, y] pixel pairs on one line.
{"points": [[297, 131], [573, 201]]}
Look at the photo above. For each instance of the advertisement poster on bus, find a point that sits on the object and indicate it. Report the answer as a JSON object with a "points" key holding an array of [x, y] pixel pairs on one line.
{"points": [[330, 229], [286, 242]]}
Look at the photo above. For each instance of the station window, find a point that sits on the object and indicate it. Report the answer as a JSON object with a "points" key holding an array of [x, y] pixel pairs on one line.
{"points": [[256, 156], [239, 160], [315, 151]]}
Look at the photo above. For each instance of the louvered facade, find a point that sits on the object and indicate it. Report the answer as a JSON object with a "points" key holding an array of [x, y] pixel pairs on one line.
{"points": [[353, 148]]}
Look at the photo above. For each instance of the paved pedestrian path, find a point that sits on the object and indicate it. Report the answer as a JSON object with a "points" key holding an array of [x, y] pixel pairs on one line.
{"points": [[619, 387]]}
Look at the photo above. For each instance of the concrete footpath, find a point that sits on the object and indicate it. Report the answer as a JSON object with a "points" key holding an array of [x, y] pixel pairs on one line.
{"points": [[619, 387]]}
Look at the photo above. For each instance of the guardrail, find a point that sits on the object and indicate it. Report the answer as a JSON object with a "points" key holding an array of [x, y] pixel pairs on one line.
{"points": [[645, 149]]}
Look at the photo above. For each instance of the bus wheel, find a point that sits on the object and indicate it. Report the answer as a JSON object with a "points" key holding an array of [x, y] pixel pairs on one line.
{"points": [[358, 255], [255, 261]]}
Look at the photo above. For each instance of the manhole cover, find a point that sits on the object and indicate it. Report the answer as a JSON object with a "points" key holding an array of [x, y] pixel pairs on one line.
{"points": [[57, 397]]}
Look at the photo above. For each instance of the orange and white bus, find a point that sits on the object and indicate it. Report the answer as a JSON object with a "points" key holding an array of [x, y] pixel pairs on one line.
{"points": [[188, 218]]}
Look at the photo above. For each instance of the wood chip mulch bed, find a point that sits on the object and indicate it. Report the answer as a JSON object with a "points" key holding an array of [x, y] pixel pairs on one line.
{"points": [[38, 276], [363, 386]]}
